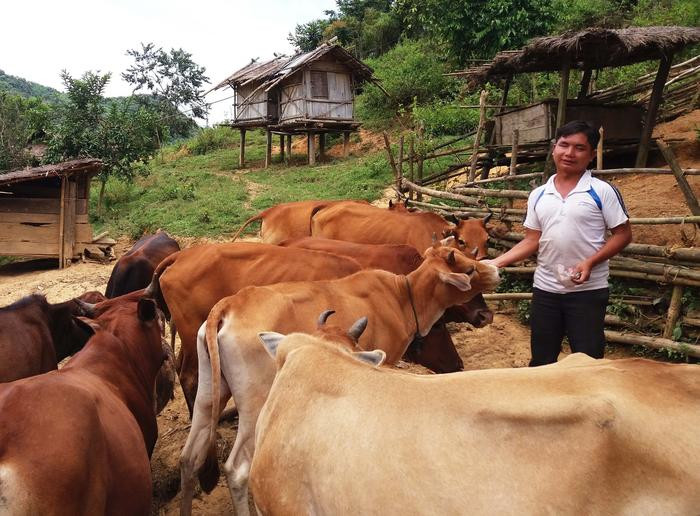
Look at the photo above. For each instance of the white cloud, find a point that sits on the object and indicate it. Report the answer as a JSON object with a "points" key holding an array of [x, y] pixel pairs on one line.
{"points": [[41, 38]]}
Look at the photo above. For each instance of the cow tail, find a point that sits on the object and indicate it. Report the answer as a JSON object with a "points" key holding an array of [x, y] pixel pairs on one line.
{"points": [[259, 216], [212, 329], [314, 211], [153, 289]]}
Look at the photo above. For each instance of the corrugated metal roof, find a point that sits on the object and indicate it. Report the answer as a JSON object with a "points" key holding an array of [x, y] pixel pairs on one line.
{"points": [[59, 169]]}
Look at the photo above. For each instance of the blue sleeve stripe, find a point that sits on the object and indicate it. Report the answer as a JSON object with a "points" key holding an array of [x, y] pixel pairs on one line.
{"points": [[597, 200], [619, 198]]}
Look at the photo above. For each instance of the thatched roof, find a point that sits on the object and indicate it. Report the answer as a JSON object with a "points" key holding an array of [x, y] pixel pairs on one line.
{"points": [[66, 168], [268, 74], [592, 48]]}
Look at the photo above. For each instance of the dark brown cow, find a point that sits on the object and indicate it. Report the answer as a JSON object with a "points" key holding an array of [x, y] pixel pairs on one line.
{"points": [[36, 335], [134, 270], [289, 219], [78, 440], [371, 225]]}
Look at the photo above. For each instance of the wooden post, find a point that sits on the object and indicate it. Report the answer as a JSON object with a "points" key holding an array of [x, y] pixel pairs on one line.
{"points": [[599, 150], [400, 165], [69, 225], [289, 148], [654, 101], [62, 222], [346, 143], [311, 147], [268, 147], [241, 155], [585, 83], [477, 138], [411, 158], [680, 177], [421, 144], [514, 152], [321, 145], [563, 94], [674, 310], [387, 146], [282, 147], [502, 107]]}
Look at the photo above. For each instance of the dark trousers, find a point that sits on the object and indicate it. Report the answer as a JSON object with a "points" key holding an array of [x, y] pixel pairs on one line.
{"points": [[578, 315]]}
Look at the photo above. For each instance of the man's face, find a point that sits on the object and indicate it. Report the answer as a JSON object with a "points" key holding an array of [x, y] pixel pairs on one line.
{"points": [[572, 153]]}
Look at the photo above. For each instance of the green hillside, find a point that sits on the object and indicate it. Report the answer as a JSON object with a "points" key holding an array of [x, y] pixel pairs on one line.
{"points": [[25, 88]]}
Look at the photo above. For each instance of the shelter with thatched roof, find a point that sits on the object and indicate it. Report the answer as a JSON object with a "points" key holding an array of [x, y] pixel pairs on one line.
{"points": [[44, 212], [588, 50], [310, 93]]}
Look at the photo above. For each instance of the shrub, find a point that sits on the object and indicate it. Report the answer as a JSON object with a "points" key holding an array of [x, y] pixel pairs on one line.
{"points": [[210, 139], [440, 118]]}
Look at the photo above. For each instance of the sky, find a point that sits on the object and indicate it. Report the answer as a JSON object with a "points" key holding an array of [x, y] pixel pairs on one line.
{"points": [[40, 38]]}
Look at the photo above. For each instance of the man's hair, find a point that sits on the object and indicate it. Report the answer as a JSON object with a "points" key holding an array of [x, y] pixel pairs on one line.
{"points": [[579, 126]]}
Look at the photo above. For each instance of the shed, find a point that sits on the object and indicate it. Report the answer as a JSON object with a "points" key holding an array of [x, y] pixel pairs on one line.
{"points": [[587, 50], [309, 93], [44, 212]]}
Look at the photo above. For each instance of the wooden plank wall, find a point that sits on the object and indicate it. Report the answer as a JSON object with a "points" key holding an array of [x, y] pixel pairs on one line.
{"points": [[30, 218]]}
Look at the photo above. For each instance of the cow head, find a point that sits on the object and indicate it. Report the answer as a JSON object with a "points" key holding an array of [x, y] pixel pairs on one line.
{"points": [[347, 338], [475, 312], [69, 331], [461, 276], [474, 234]]}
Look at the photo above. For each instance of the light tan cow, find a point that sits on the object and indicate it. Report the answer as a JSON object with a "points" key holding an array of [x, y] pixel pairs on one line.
{"points": [[584, 436], [396, 306]]}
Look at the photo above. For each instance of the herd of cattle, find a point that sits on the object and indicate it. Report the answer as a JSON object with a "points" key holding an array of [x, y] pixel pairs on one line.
{"points": [[297, 330]]}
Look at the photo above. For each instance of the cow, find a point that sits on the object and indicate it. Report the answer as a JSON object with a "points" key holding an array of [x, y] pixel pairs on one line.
{"points": [[436, 351], [134, 270], [289, 220], [399, 307], [583, 436], [36, 335], [79, 440], [371, 225]]}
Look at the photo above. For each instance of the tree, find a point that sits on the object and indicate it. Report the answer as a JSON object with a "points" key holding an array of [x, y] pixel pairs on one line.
{"points": [[121, 135], [307, 36], [477, 29], [21, 122], [171, 77]]}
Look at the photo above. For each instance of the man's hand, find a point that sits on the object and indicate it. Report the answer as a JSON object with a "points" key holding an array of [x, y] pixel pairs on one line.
{"points": [[581, 272]]}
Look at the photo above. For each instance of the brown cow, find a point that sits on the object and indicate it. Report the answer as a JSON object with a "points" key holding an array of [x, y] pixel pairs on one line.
{"points": [[78, 440], [289, 219], [134, 270], [36, 335], [398, 308], [583, 436], [372, 225]]}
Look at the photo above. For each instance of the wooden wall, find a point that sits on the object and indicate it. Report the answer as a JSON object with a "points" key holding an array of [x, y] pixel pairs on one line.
{"points": [[261, 106], [45, 217]]}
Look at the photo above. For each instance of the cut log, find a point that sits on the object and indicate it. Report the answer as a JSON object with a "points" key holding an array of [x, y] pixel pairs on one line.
{"points": [[652, 342]]}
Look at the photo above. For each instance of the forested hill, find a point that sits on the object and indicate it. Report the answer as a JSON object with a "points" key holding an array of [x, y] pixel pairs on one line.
{"points": [[25, 88]]}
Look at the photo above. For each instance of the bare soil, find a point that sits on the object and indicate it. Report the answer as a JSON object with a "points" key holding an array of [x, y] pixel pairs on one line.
{"points": [[505, 343]]}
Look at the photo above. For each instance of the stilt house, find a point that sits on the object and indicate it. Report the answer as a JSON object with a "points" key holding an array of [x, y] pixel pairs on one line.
{"points": [[307, 94]]}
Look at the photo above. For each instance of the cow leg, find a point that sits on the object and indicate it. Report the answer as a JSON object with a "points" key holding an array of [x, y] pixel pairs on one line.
{"points": [[198, 451]]}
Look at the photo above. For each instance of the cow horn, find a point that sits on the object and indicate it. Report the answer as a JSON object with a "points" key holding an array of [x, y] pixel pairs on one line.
{"points": [[87, 309], [475, 251], [451, 258], [356, 330], [487, 217], [324, 316]]}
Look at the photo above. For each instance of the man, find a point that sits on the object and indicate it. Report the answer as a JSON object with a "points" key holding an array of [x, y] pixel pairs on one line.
{"points": [[566, 224]]}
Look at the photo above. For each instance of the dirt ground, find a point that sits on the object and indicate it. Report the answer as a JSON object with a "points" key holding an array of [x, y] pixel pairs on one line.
{"points": [[505, 343]]}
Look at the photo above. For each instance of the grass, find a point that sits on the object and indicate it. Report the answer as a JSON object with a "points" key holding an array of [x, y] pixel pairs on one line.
{"points": [[207, 195]]}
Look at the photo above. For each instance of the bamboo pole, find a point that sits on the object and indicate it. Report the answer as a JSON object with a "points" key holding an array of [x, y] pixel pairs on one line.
{"points": [[660, 171], [690, 198], [468, 210], [440, 194], [621, 274], [514, 153], [674, 310], [599, 150], [62, 224], [411, 158], [653, 342], [241, 154], [513, 194], [421, 157], [387, 146], [477, 138], [509, 177]]}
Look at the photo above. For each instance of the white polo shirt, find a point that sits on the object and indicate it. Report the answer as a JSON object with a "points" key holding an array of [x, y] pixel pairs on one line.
{"points": [[573, 229]]}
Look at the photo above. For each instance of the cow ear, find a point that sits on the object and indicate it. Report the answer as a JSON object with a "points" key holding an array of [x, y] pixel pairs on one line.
{"points": [[271, 340], [374, 358], [90, 326], [459, 280], [451, 258], [487, 218], [452, 218], [146, 309]]}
